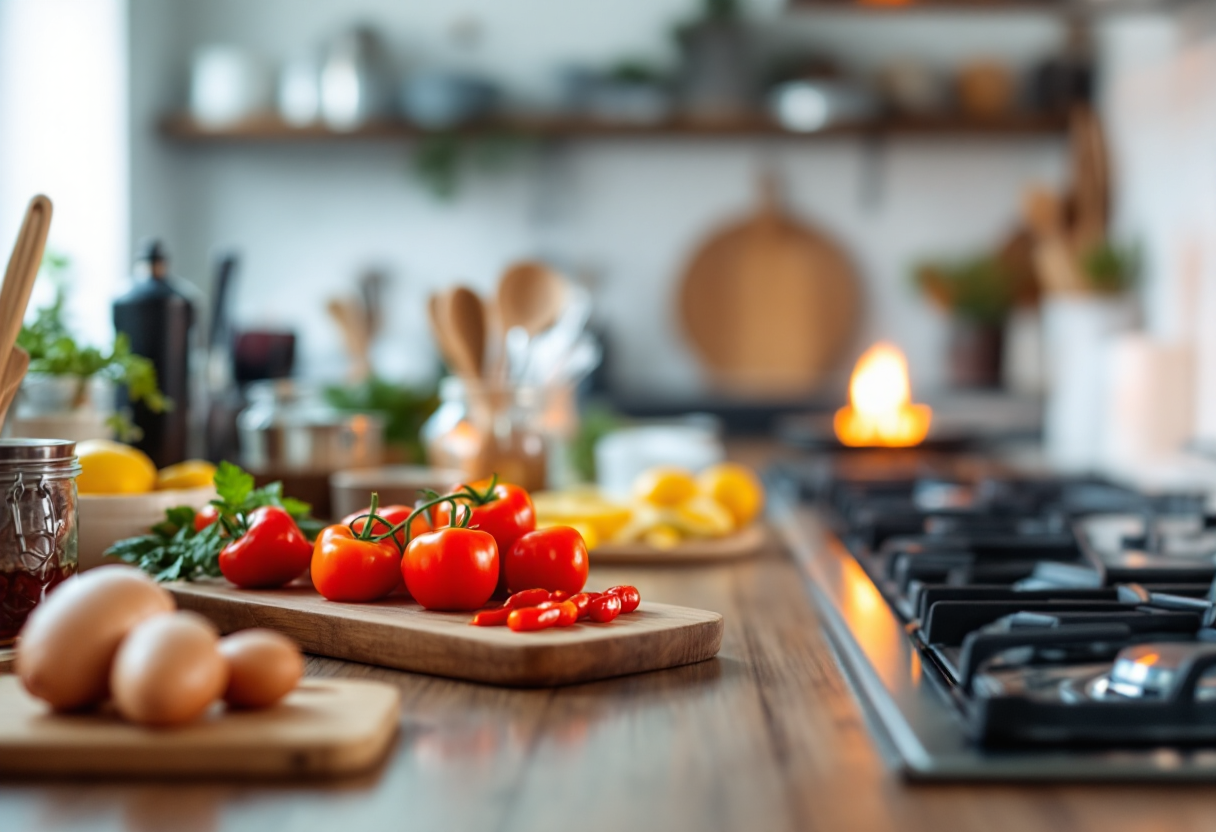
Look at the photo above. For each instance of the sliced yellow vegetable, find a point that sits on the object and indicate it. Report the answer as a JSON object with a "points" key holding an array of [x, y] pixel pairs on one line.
{"points": [[663, 537], [590, 536], [702, 517], [664, 486], [736, 487], [193, 473], [584, 506]]}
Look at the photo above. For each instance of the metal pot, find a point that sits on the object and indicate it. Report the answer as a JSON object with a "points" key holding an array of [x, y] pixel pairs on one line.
{"points": [[286, 428]]}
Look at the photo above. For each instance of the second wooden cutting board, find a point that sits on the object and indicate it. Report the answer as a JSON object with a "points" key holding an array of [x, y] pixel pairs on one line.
{"points": [[398, 633]]}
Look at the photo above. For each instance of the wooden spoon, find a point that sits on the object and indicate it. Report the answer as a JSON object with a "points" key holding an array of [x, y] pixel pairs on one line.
{"points": [[22, 270], [466, 325], [530, 295], [19, 278], [10, 381]]}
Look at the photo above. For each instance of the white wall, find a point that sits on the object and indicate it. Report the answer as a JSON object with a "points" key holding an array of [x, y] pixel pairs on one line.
{"points": [[63, 120], [308, 218]]}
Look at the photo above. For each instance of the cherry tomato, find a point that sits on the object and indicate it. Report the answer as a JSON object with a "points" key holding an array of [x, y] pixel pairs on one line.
{"points": [[273, 551], [491, 618], [345, 568], [604, 609], [451, 569], [630, 597], [504, 511], [205, 516], [528, 598], [560, 595], [582, 600], [533, 618], [554, 558], [569, 611], [392, 516]]}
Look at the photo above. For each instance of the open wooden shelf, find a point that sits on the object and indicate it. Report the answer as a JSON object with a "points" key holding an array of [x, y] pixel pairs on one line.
{"points": [[270, 128]]}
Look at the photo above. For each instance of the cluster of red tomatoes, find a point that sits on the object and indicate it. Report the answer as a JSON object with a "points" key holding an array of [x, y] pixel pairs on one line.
{"points": [[452, 552]]}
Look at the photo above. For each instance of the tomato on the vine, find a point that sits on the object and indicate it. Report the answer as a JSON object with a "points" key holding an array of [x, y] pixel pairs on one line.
{"points": [[346, 567], [451, 568], [554, 559], [386, 518], [502, 510], [272, 551]]}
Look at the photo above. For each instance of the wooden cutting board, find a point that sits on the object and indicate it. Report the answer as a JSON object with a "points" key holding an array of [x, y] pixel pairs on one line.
{"points": [[769, 304], [742, 544], [325, 728], [398, 633]]}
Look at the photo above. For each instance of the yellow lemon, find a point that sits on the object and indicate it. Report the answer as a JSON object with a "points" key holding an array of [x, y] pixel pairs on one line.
{"points": [[702, 516], [736, 488], [664, 486], [113, 468], [578, 508], [193, 473]]}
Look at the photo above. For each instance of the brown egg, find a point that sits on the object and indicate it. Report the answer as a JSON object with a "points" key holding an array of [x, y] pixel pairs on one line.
{"points": [[168, 670], [263, 667], [67, 645]]}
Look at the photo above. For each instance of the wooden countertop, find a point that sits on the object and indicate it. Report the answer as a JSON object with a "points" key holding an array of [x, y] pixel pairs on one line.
{"points": [[765, 737]]}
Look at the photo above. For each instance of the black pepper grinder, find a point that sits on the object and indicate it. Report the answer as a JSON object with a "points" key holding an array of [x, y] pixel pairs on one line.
{"points": [[156, 318]]}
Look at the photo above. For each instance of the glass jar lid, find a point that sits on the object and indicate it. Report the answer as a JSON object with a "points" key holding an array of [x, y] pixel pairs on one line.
{"points": [[36, 450]]}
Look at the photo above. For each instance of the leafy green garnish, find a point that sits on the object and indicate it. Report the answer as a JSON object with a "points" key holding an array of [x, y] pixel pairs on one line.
{"points": [[404, 408], [174, 551]]}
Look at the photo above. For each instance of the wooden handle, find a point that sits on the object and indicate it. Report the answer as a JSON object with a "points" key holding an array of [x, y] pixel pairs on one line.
{"points": [[22, 270], [14, 371]]}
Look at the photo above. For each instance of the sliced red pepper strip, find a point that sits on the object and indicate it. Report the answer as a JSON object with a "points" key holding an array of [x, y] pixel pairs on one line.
{"points": [[629, 595], [533, 618], [569, 611], [582, 600], [491, 618], [604, 609], [527, 598]]}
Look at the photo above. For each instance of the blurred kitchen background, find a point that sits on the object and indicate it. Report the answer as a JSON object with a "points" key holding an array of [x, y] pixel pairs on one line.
{"points": [[1018, 194]]}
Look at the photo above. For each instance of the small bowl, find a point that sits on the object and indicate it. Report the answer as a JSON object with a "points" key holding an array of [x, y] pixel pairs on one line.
{"points": [[352, 490], [104, 519]]}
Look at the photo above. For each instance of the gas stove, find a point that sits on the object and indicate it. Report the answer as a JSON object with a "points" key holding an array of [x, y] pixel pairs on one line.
{"points": [[998, 626]]}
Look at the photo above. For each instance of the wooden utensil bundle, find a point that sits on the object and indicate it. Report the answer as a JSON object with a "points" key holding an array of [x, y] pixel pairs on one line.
{"points": [[1069, 226], [476, 336], [15, 293]]}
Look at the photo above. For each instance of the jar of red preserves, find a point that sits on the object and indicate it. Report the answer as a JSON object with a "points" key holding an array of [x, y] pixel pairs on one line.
{"points": [[37, 525]]}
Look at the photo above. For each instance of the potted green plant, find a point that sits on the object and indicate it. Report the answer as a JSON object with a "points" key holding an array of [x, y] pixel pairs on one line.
{"points": [[978, 293], [68, 392]]}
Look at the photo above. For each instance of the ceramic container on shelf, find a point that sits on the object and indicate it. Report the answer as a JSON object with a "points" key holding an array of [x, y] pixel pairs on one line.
{"points": [[227, 84], [1078, 332], [693, 442], [65, 407]]}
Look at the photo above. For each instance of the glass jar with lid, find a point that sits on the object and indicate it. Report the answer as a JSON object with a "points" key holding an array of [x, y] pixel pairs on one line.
{"points": [[516, 432], [38, 529]]}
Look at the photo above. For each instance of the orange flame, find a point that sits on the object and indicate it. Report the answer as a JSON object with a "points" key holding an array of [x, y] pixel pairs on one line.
{"points": [[880, 412]]}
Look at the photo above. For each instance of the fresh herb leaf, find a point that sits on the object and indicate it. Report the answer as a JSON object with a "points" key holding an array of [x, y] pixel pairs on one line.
{"points": [[233, 487]]}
